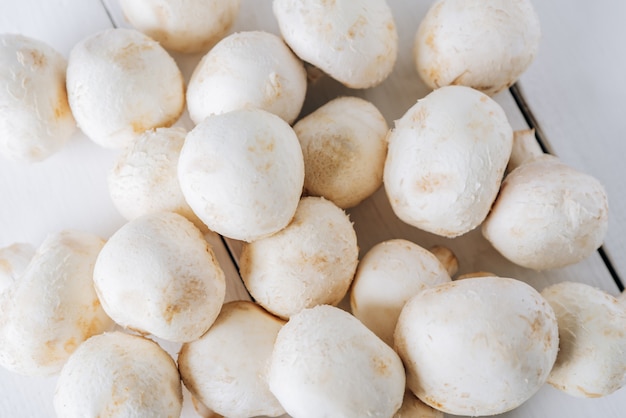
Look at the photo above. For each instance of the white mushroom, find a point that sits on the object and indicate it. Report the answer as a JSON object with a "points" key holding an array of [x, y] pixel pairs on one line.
{"points": [[226, 369], [181, 25], [592, 334], [478, 346], [52, 307], [13, 261], [344, 148], [242, 173], [310, 262], [121, 83], [446, 159], [387, 277], [547, 214], [326, 363], [118, 375], [36, 120], [355, 42], [248, 69], [412, 407], [484, 44], [158, 275], [144, 179]]}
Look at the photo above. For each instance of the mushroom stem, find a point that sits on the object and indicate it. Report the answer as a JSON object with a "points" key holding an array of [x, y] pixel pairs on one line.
{"points": [[525, 148], [447, 258], [476, 274]]}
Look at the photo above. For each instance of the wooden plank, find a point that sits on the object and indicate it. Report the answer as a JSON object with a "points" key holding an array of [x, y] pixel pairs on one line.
{"points": [[576, 89]]}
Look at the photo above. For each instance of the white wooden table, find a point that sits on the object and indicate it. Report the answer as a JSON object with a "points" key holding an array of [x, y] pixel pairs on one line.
{"points": [[573, 94]]}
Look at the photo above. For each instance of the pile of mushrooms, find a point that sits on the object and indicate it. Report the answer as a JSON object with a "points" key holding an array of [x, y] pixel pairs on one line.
{"points": [[391, 335]]}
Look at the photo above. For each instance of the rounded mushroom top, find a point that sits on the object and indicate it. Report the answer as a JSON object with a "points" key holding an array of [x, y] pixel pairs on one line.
{"points": [[483, 44], [446, 158], [327, 363], [120, 83], [248, 69], [547, 215], [478, 346], [242, 173], [115, 375], [158, 275], [36, 120], [355, 42], [182, 25]]}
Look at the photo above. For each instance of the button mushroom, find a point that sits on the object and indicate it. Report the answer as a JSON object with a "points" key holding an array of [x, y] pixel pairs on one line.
{"points": [[119, 375], [387, 277], [121, 83], [478, 346], [326, 363], [226, 369], [446, 159], [36, 120], [483, 44], [242, 173], [248, 69], [592, 335], [158, 275], [412, 407], [310, 262], [344, 149], [52, 307], [547, 214], [356, 43], [180, 25]]}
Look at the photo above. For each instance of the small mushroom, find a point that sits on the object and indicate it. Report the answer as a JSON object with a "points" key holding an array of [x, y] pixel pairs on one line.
{"points": [[242, 173], [412, 407], [121, 83], [248, 69], [483, 44], [144, 178], [36, 120], [547, 214], [387, 277], [355, 43], [13, 261], [52, 307], [446, 159], [326, 363], [158, 275], [181, 25], [478, 346], [226, 369], [344, 148], [592, 334], [118, 375], [310, 262]]}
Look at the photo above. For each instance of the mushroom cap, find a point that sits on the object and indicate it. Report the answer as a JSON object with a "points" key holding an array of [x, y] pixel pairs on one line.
{"points": [[478, 346], [327, 363], [182, 25], [386, 278], [144, 178], [547, 215], [158, 275], [344, 148], [355, 42], [446, 159], [242, 173], [36, 120], [592, 334], [412, 407], [310, 262], [13, 261], [119, 375], [121, 83], [248, 69], [226, 369], [53, 307], [484, 44]]}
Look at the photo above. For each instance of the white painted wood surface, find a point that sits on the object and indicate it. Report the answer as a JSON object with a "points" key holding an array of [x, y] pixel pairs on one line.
{"points": [[69, 189]]}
